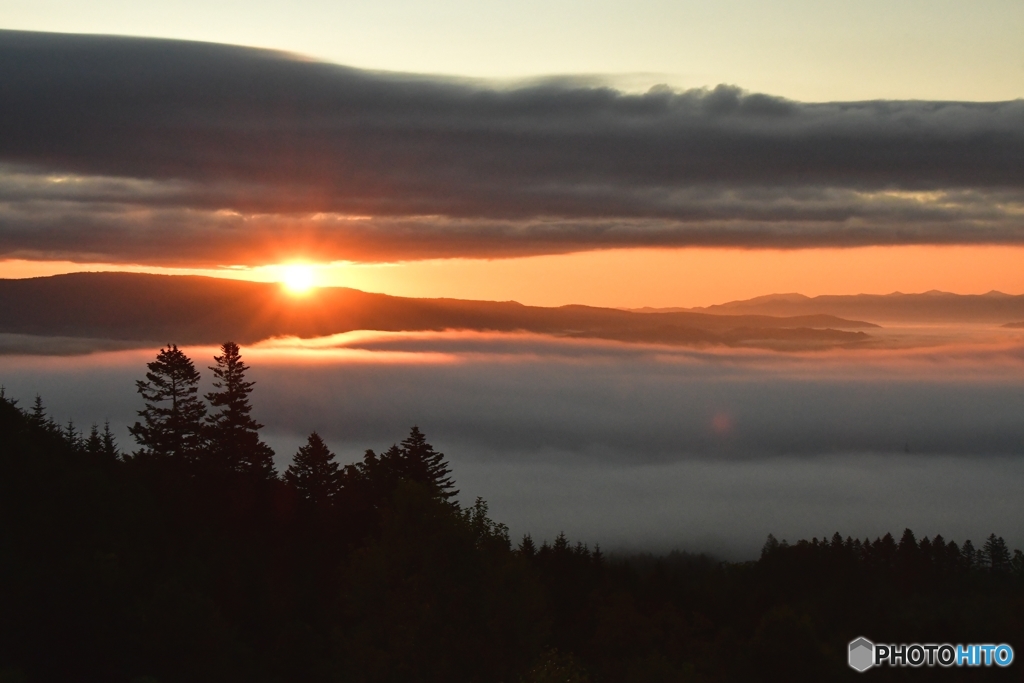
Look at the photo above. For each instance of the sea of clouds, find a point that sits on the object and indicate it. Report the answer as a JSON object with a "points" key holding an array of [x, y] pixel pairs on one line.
{"points": [[633, 446]]}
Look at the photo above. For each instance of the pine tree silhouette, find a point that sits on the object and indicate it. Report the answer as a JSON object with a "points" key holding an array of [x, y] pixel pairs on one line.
{"points": [[1017, 563], [413, 460], [109, 448], [172, 421], [38, 417], [72, 437], [314, 473], [997, 555], [94, 442], [423, 464], [953, 559], [561, 546], [233, 434], [770, 546], [38, 411], [968, 556]]}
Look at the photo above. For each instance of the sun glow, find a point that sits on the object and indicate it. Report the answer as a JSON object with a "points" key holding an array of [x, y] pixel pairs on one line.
{"points": [[298, 278]]}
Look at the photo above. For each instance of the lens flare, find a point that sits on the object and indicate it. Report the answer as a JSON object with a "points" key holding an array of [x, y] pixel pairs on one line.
{"points": [[298, 279]]}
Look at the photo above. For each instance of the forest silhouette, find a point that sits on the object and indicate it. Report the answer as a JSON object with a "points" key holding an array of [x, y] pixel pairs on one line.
{"points": [[190, 558]]}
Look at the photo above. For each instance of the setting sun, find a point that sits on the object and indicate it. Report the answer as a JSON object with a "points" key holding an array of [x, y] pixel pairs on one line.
{"points": [[298, 279]]}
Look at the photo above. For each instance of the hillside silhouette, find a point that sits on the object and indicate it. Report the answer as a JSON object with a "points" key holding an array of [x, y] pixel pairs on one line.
{"points": [[189, 561], [203, 310], [927, 307]]}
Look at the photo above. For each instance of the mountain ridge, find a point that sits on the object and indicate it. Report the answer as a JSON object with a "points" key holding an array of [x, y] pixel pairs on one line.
{"points": [[189, 309], [933, 306]]}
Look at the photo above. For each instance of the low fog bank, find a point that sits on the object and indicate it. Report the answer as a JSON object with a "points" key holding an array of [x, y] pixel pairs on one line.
{"points": [[728, 508], [639, 449], [631, 405]]}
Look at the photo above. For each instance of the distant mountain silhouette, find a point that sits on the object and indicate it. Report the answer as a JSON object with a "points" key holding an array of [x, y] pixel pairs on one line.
{"points": [[1019, 325], [933, 306], [203, 310]]}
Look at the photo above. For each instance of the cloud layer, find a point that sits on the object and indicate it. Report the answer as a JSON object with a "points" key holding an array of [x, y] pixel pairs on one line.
{"points": [[186, 153], [637, 446], [497, 394]]}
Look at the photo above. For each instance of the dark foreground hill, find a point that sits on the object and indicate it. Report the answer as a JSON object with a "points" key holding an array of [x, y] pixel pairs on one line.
{"points": [[120, 569], [928, 307], [195, 310]]}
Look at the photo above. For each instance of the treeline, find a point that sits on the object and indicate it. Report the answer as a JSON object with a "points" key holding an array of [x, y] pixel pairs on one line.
{"points": [[191, 559], [910, 560]]}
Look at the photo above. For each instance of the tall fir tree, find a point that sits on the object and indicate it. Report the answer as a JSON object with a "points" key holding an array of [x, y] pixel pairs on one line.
{"points": [[72, 437], [413, 460], [314, 473], [378, 475], [172, 421], [233, 433], [423, 464], [100, 444], [969, 557], [997, 555], [109, 447], [38, 417], [94, 442]]}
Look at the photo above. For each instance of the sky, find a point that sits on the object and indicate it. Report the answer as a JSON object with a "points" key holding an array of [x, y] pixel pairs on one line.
{"points": [[649, 153], [810, 50], [640, 154]]}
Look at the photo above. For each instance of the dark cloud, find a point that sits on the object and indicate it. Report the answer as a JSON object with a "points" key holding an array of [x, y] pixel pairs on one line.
{"points": [[164, 151]]}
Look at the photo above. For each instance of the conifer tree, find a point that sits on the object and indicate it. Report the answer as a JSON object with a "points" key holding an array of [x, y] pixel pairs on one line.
{"points": [[314, 473], [908, 553], [413, 460], [37, 416], [172, 421], [770, 546], [1017, 563], [939, 552], [382, 473], [38, 411], [109, 446], [969, 557], [485, 530], [94, 442], [234, 435], [954, 561], [71, 436], [997, 555], [423, 464]]}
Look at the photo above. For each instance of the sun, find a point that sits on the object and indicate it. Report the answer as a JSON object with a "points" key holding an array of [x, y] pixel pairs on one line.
{"points": [[298, 278]]}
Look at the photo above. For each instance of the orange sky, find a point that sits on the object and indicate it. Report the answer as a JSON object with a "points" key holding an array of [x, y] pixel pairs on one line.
{"points": [[652, 277]]}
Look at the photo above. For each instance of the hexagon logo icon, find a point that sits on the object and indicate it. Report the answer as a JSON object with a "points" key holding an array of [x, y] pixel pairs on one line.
{"points": [[862, 654]]}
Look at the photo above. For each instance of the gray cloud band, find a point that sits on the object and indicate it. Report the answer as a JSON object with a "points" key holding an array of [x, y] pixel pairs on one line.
{"points": [[165, 151]]}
